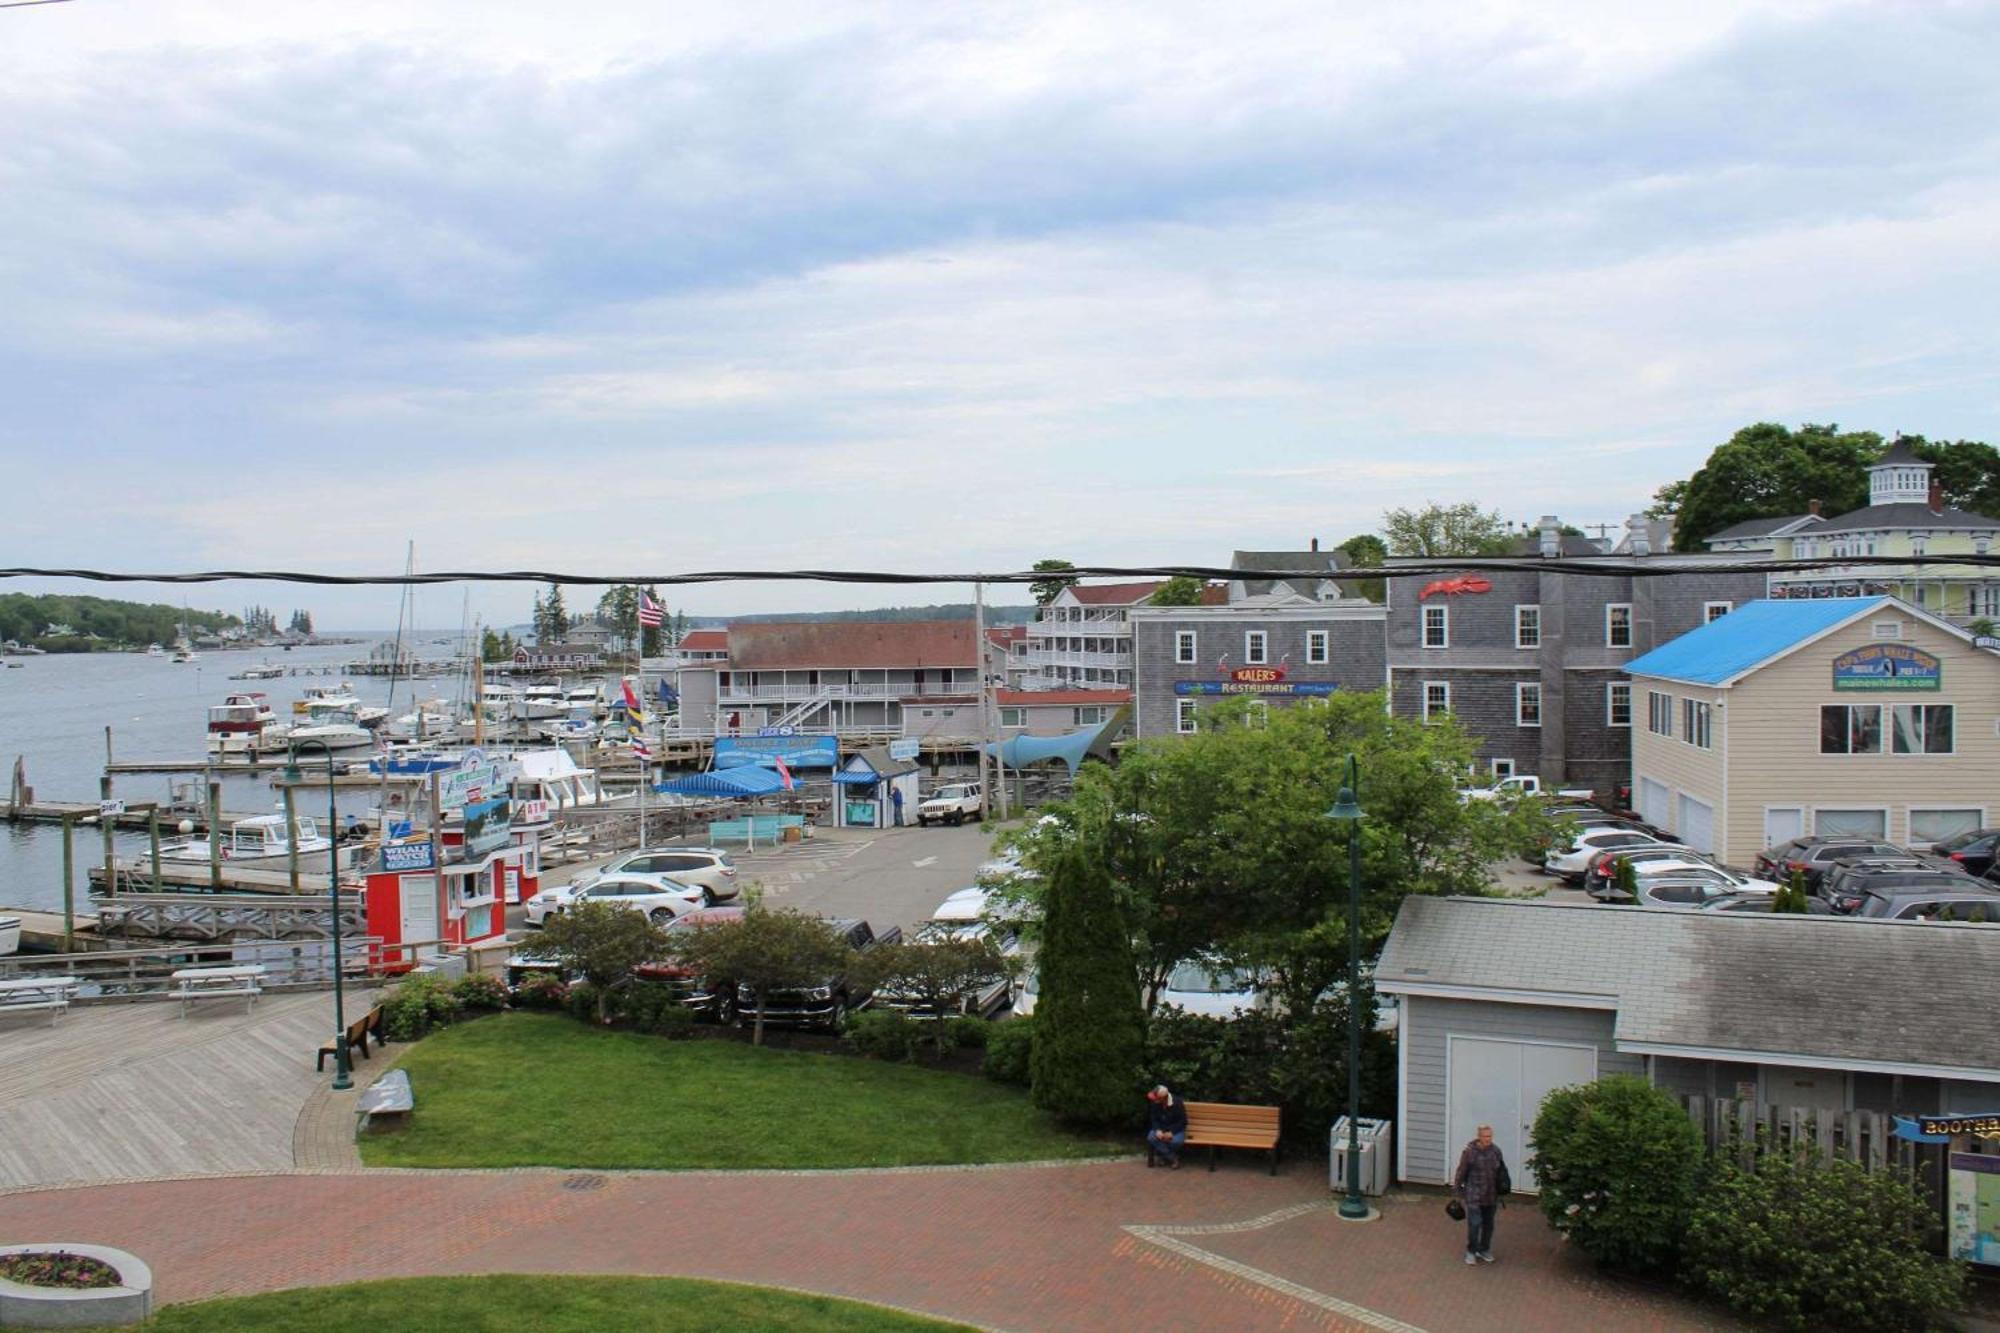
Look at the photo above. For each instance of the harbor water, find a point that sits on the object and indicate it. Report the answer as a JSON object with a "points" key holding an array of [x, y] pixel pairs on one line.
{"points": [[53, 715]]}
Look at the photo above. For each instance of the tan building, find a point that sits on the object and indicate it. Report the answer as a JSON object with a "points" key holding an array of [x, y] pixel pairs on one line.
{"points": [[1860, 716]]}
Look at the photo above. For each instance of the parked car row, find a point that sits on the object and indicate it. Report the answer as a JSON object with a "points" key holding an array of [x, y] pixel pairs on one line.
{"points": [[663, 882]]}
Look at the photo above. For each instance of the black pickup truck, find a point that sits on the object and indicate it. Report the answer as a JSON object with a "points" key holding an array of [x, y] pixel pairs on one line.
{"points": [[825, 1005]]}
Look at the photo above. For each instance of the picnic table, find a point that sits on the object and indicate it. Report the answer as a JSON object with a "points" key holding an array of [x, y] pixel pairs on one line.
{"points": [[22, 994], [204, 983]]}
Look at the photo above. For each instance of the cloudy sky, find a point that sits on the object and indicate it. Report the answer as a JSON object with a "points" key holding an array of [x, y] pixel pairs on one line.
{"points": [[629, 287]]}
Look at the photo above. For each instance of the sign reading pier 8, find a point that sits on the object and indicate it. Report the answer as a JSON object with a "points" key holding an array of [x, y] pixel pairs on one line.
{"points": [[1887, 666]]}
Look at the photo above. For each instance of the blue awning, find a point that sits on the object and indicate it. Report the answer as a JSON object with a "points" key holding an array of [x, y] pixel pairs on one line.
{"points": [[850, 779], [750, 780]]}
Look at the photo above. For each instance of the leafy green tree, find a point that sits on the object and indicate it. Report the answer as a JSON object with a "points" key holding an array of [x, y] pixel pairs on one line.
{"points": [[1442, 530], [1806, 1242], [619, 608], [652, 638], [1767, 470], [767, 951], [935, 977], [1791, 895], [1089, 1029], [1048, 589], [600, 942], [1618, 1163], [1366, 551], [1967, 472], [1181, 590]]}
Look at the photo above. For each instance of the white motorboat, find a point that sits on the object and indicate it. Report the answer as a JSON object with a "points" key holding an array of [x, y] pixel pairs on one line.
{"points": [[242, 724], [539, 703], [259, 843], [10, 935], [327, 703], [154, 650], [553, 780], [182, 654], [431, 720], [584, 701], [567, 729], [336, 729], [325, 696]]}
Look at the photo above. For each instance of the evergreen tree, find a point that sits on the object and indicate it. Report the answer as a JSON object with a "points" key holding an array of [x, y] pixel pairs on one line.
{"points": [[540, 619], [557, 615], [1089, 1027]]}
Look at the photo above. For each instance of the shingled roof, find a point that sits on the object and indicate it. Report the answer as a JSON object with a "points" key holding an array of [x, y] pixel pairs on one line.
{"points": [[778, 645], [1860, 994]]}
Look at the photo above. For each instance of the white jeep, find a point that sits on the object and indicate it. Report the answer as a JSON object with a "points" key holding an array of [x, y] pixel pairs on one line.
{"points": [[950, 805]]}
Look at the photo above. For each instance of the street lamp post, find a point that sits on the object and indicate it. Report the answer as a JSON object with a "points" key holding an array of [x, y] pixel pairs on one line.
{"points": [[1347, 810], [343, 1069]]}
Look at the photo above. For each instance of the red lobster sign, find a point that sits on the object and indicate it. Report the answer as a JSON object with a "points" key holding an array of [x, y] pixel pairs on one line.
{"points": [[1453, 587]]}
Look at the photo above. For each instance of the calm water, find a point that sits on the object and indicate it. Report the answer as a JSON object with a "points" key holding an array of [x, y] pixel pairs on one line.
{"points": [[53, 712]]}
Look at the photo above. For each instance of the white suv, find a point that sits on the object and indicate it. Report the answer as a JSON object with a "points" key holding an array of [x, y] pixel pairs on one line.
{"points": [[703, 867], [657, 896], [950, 805]]}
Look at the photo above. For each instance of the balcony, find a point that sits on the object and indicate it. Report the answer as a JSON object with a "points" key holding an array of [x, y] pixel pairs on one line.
{"points": [[1040, 660], [772, 692]]}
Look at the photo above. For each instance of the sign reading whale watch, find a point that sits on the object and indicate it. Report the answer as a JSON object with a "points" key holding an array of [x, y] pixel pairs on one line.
{"points": [[1887, 666]]}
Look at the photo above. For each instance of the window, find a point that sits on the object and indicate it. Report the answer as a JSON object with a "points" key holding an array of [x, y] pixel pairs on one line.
{"points": [[1527, 704], [1851, 823], [1256, 647], [1502, 769], [1011, 717], [1184, 716], [1922, 728], [1184, 645], [1316, 647], [1931, 826], [1659, 713], [1694, 723], [1437, 699], [1618, 625], [1437, 627], [1618, 704], [1091, 715], [1527, 627], [1886, 629], [1850, 729], [1714, 611]]}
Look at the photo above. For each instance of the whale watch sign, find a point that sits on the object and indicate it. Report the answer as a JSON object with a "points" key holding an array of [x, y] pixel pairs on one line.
{"points": [[1887, 666]]}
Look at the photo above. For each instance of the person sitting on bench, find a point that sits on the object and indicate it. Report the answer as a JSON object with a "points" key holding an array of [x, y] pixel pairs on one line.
{"points": [[1166, 1127]]}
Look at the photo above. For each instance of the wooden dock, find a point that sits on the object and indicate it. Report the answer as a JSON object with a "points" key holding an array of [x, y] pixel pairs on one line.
{"points": [[42, 932], [85, 813]]}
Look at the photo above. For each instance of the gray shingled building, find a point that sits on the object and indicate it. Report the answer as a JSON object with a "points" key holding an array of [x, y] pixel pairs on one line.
{"points": [[1503, 1001]]}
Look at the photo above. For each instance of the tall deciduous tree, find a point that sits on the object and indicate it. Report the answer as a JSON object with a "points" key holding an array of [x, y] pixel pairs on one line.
{"points": [[767, 951], [1365, 551], [1181, 590], [1048, 589], [1768, 470], [602, 942], [1089, 1029], [1441, 530], [935, 977]]}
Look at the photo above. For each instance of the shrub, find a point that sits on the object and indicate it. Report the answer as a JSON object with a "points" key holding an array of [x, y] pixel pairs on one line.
{"points": [[480, 990], [582, 1002], [1618, 1162], [1008, 1048], [1085, 1066], [883, 1034], [417, 1005], [541, 990], [673, 1019], [967, 1032], [1804, 1241]]}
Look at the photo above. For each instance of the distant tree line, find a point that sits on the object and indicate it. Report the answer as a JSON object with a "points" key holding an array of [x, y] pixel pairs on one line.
{"points": [[99, 622]]}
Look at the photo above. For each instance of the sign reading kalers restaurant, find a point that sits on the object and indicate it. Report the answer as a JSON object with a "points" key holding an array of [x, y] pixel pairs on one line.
{"points": [[1887, 666], [1259, 680]]}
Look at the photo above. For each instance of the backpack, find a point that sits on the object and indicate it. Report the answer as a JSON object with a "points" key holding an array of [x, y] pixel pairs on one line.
{"points": [[1502, 1182]]}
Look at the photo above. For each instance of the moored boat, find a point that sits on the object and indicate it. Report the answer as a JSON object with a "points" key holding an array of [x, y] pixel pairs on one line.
{"points": [[242, 723], [259, 843]]}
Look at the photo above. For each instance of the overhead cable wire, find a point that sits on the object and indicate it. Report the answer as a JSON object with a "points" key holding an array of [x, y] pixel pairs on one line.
{"points": [[1662, 566]]}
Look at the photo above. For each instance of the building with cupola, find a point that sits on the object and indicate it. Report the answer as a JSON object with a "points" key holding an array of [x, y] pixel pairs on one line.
{"points": [[1905, 516]]}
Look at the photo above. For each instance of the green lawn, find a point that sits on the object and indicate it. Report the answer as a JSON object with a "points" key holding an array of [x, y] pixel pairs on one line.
{"points": [[526, 1089], [535, 1305]]}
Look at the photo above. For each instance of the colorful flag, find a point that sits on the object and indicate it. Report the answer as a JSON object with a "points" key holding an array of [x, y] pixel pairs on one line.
{"points": [[651, 613], [784, 774], [632, 706], [642, 749]]}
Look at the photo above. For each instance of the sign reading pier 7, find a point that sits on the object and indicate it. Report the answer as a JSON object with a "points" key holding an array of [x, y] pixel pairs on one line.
{"points": [[1887, 666]]}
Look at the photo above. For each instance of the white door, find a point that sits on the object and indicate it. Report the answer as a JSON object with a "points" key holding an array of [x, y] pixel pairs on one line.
{"points": [[1697, 824], [1654, 806], [1502, 1083], [1782, 823], [420, 911]]}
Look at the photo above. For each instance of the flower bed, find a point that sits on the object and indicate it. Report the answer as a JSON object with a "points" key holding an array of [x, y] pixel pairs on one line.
{"points": [[69, 1286]]}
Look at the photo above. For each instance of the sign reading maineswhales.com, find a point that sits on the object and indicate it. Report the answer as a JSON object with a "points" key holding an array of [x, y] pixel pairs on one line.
{"points": [[1887, 666]]}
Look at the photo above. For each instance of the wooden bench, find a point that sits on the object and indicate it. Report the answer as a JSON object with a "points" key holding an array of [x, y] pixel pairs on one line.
{"points": [[1216, 1125], [20, 995], [388, 1097], [358, 1032]]}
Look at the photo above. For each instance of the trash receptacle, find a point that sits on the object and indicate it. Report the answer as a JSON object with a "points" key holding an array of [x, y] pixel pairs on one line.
{"points": [[1374, 1136]]}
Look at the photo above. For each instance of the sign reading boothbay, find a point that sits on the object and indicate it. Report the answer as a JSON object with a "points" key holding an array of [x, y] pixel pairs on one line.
{"points": [[1887, 666]]}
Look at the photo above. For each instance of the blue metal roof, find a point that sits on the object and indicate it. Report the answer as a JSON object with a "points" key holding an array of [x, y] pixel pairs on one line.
{"points": [[1754, 632], [749, 780]]}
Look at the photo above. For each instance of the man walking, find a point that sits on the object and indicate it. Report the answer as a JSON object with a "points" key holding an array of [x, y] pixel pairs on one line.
{"points": [[1479, 1182], [1166, 1127]]}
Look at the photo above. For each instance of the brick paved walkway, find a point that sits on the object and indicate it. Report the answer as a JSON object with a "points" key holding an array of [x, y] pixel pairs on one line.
{"points": [[1018, 1247]]}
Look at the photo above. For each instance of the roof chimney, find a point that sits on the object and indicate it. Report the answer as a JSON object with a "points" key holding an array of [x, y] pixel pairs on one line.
{"points": [[1551, 537], [1812, 507], [1937, 498], [1315, 544], [1640, 535]]}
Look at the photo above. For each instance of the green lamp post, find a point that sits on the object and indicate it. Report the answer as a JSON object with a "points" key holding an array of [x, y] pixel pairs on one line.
{"points": [[343, 1069], [1347, 810]]}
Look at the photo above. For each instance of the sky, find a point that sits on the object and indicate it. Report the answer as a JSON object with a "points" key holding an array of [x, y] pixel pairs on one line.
{"points": [[637, 289]]}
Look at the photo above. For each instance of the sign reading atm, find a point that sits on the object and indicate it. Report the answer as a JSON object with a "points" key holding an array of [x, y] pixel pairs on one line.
{"points": [[1887, 666]]}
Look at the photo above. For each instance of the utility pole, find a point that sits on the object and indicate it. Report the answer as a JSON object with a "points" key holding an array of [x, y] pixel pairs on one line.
{"points": [[979, 672]]}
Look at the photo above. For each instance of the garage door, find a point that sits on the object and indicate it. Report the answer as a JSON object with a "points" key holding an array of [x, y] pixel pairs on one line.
{"points": [[1654, 806], [1502, 1083], [1697, 824]]}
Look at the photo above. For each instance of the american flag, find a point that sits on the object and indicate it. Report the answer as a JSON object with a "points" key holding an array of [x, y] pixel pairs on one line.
{"points": [[651, 613]]}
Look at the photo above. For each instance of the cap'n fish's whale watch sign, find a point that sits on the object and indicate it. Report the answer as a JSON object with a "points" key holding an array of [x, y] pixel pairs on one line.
{"points": [[1887, 666]]}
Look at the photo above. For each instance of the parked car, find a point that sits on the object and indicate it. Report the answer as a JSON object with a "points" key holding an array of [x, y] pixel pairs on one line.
{"points": [[549, 901], [1811, 856], [711, 1001], [1760, 902], [1212, 990], [1685, 893], [1597, 879], [952, 804], [705, 867], [1519, 785], [1970, 902], [1569, 863], [1848, 889], [827, 1003], [1844, 872], [658, 897], [1974, 851], [1688, 868], [989, 996]]}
